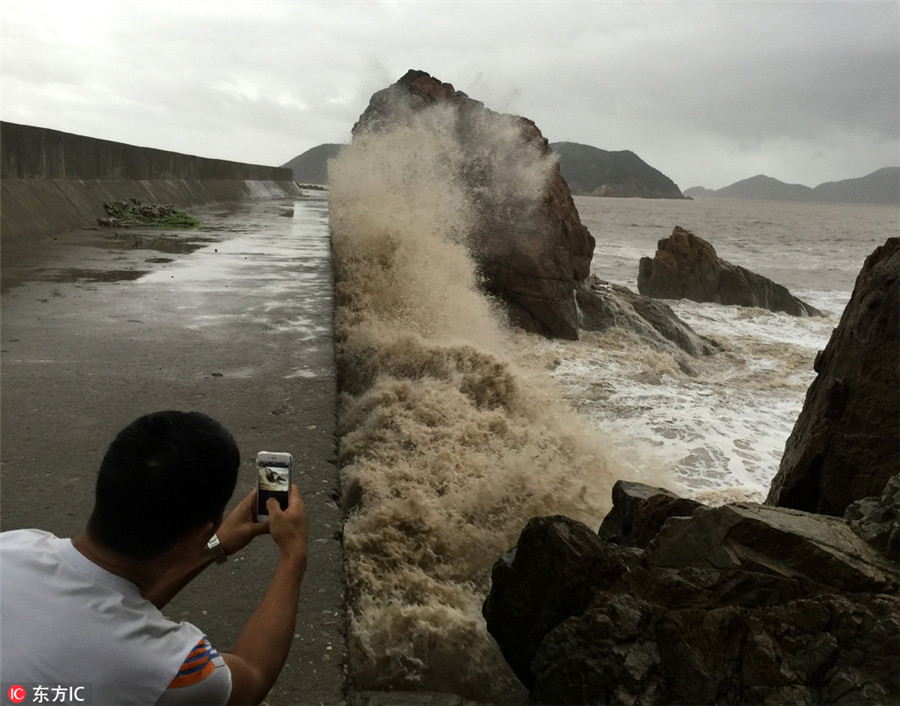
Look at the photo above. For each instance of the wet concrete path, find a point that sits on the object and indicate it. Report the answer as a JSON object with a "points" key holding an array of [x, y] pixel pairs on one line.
{"points": [[234, 320]]}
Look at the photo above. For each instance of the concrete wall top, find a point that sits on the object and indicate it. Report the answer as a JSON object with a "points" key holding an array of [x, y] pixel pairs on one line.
{"points": [[41, 153]]}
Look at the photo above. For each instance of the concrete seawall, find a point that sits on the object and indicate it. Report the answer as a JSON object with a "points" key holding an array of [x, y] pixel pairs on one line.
{"points": [[233, 318], [52, 182]]}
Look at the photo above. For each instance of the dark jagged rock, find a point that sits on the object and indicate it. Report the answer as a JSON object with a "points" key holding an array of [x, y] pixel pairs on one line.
{"points": [[738, 604], [524, 604], [639, 512], [792, 546], [877, 519], [687, 267], [846, 442], [530, 247], [602, 305], [530, 250]]}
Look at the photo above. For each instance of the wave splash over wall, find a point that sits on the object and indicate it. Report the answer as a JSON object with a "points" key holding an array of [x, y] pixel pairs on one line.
{"points": [[449, 442]]}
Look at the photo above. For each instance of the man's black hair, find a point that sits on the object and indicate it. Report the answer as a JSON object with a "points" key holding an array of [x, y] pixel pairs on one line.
{"points": [[163, 475]]}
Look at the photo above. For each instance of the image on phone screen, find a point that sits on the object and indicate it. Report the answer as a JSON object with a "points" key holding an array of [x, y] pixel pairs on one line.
{"points": [[274, 481]]}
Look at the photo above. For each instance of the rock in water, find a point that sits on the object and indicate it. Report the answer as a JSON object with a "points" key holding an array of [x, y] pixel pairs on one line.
{"points": [[526, 235], [687, 267], [602, 305], [846, 442], [738, 604]]}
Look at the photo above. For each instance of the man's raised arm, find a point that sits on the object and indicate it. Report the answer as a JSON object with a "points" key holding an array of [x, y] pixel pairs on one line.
{"points": [[263, 645]]}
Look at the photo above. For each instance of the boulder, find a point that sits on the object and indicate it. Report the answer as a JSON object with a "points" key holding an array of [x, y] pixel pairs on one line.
{"points": [[877, 519], [639, 512], [529, 244], [687, 267], [846, 442], [524, 604], [602, 305], [743, 603]]}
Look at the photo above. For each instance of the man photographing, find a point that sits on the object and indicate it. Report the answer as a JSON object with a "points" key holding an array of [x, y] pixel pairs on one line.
{"points": [[87, 610]]}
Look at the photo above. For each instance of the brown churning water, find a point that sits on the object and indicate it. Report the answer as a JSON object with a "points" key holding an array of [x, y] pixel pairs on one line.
{"points": [[450, 440]]}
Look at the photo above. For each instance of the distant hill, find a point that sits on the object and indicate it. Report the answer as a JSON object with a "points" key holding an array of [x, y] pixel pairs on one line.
{"points": [[587, 170], [762, 187], [591, 171], [881, 186], [311, 167]]}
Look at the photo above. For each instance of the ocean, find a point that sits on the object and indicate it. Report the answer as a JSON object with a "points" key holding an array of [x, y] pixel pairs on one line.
{"points": [[456, 429], [724, 429]]}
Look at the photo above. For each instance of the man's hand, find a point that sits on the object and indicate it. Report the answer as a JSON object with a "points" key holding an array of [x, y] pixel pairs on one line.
{"points": [[241, 526], [263, 645], [289, 528]]}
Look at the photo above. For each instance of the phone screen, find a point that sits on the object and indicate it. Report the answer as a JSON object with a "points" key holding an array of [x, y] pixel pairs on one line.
{"points": [[273, 481]]}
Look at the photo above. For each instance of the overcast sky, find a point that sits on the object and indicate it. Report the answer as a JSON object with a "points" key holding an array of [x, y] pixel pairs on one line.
{"points": [[707, 92]]}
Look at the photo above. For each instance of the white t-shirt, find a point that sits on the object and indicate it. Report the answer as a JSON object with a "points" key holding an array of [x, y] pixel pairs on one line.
{"points": [[64, 620]]}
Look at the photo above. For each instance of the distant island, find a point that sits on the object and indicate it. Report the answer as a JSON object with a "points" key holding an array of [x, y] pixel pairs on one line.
{"points": [[311, 167], [589, 171], [879, 187]]}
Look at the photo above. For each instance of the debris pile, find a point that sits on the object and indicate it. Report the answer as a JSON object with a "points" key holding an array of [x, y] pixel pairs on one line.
{"points": [[123, 214]]}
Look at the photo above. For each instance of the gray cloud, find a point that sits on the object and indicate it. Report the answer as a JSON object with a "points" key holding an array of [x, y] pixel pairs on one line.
{"points": [[707, 92]]}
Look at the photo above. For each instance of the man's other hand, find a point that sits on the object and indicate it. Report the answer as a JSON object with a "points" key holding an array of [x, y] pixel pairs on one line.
{"points": [[289, 528]]}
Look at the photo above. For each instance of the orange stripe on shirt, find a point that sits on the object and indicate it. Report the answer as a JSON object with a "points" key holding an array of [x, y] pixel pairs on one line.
{"points": [[192, 678], [201, 647], [197, 665]]}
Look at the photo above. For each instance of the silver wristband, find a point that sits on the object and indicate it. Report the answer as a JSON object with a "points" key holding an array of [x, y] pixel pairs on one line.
{"points": [[216, 548]]}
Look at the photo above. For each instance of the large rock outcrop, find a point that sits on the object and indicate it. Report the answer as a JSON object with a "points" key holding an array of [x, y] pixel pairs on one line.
{"points": [[529, 244], [530, 251], [846, 442], [677, 602], [687, 267]]}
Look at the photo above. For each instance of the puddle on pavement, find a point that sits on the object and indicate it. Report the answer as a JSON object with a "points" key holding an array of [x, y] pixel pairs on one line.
{"points": [[80, 276], [173, 243], [166, 242]]}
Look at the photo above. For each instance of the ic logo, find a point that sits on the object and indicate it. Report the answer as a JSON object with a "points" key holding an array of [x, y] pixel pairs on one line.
{"points": [[17, 694]]}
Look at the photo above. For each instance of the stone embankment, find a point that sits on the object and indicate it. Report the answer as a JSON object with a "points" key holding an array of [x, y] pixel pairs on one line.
{"points": [[52, 182]]}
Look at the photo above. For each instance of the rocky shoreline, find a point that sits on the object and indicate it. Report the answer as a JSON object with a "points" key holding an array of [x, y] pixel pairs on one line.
{"points": [[673, 601], [677, 602]]}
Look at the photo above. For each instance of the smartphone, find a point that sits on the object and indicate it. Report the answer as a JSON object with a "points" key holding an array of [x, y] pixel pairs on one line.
{"points": [[273, 480]]}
